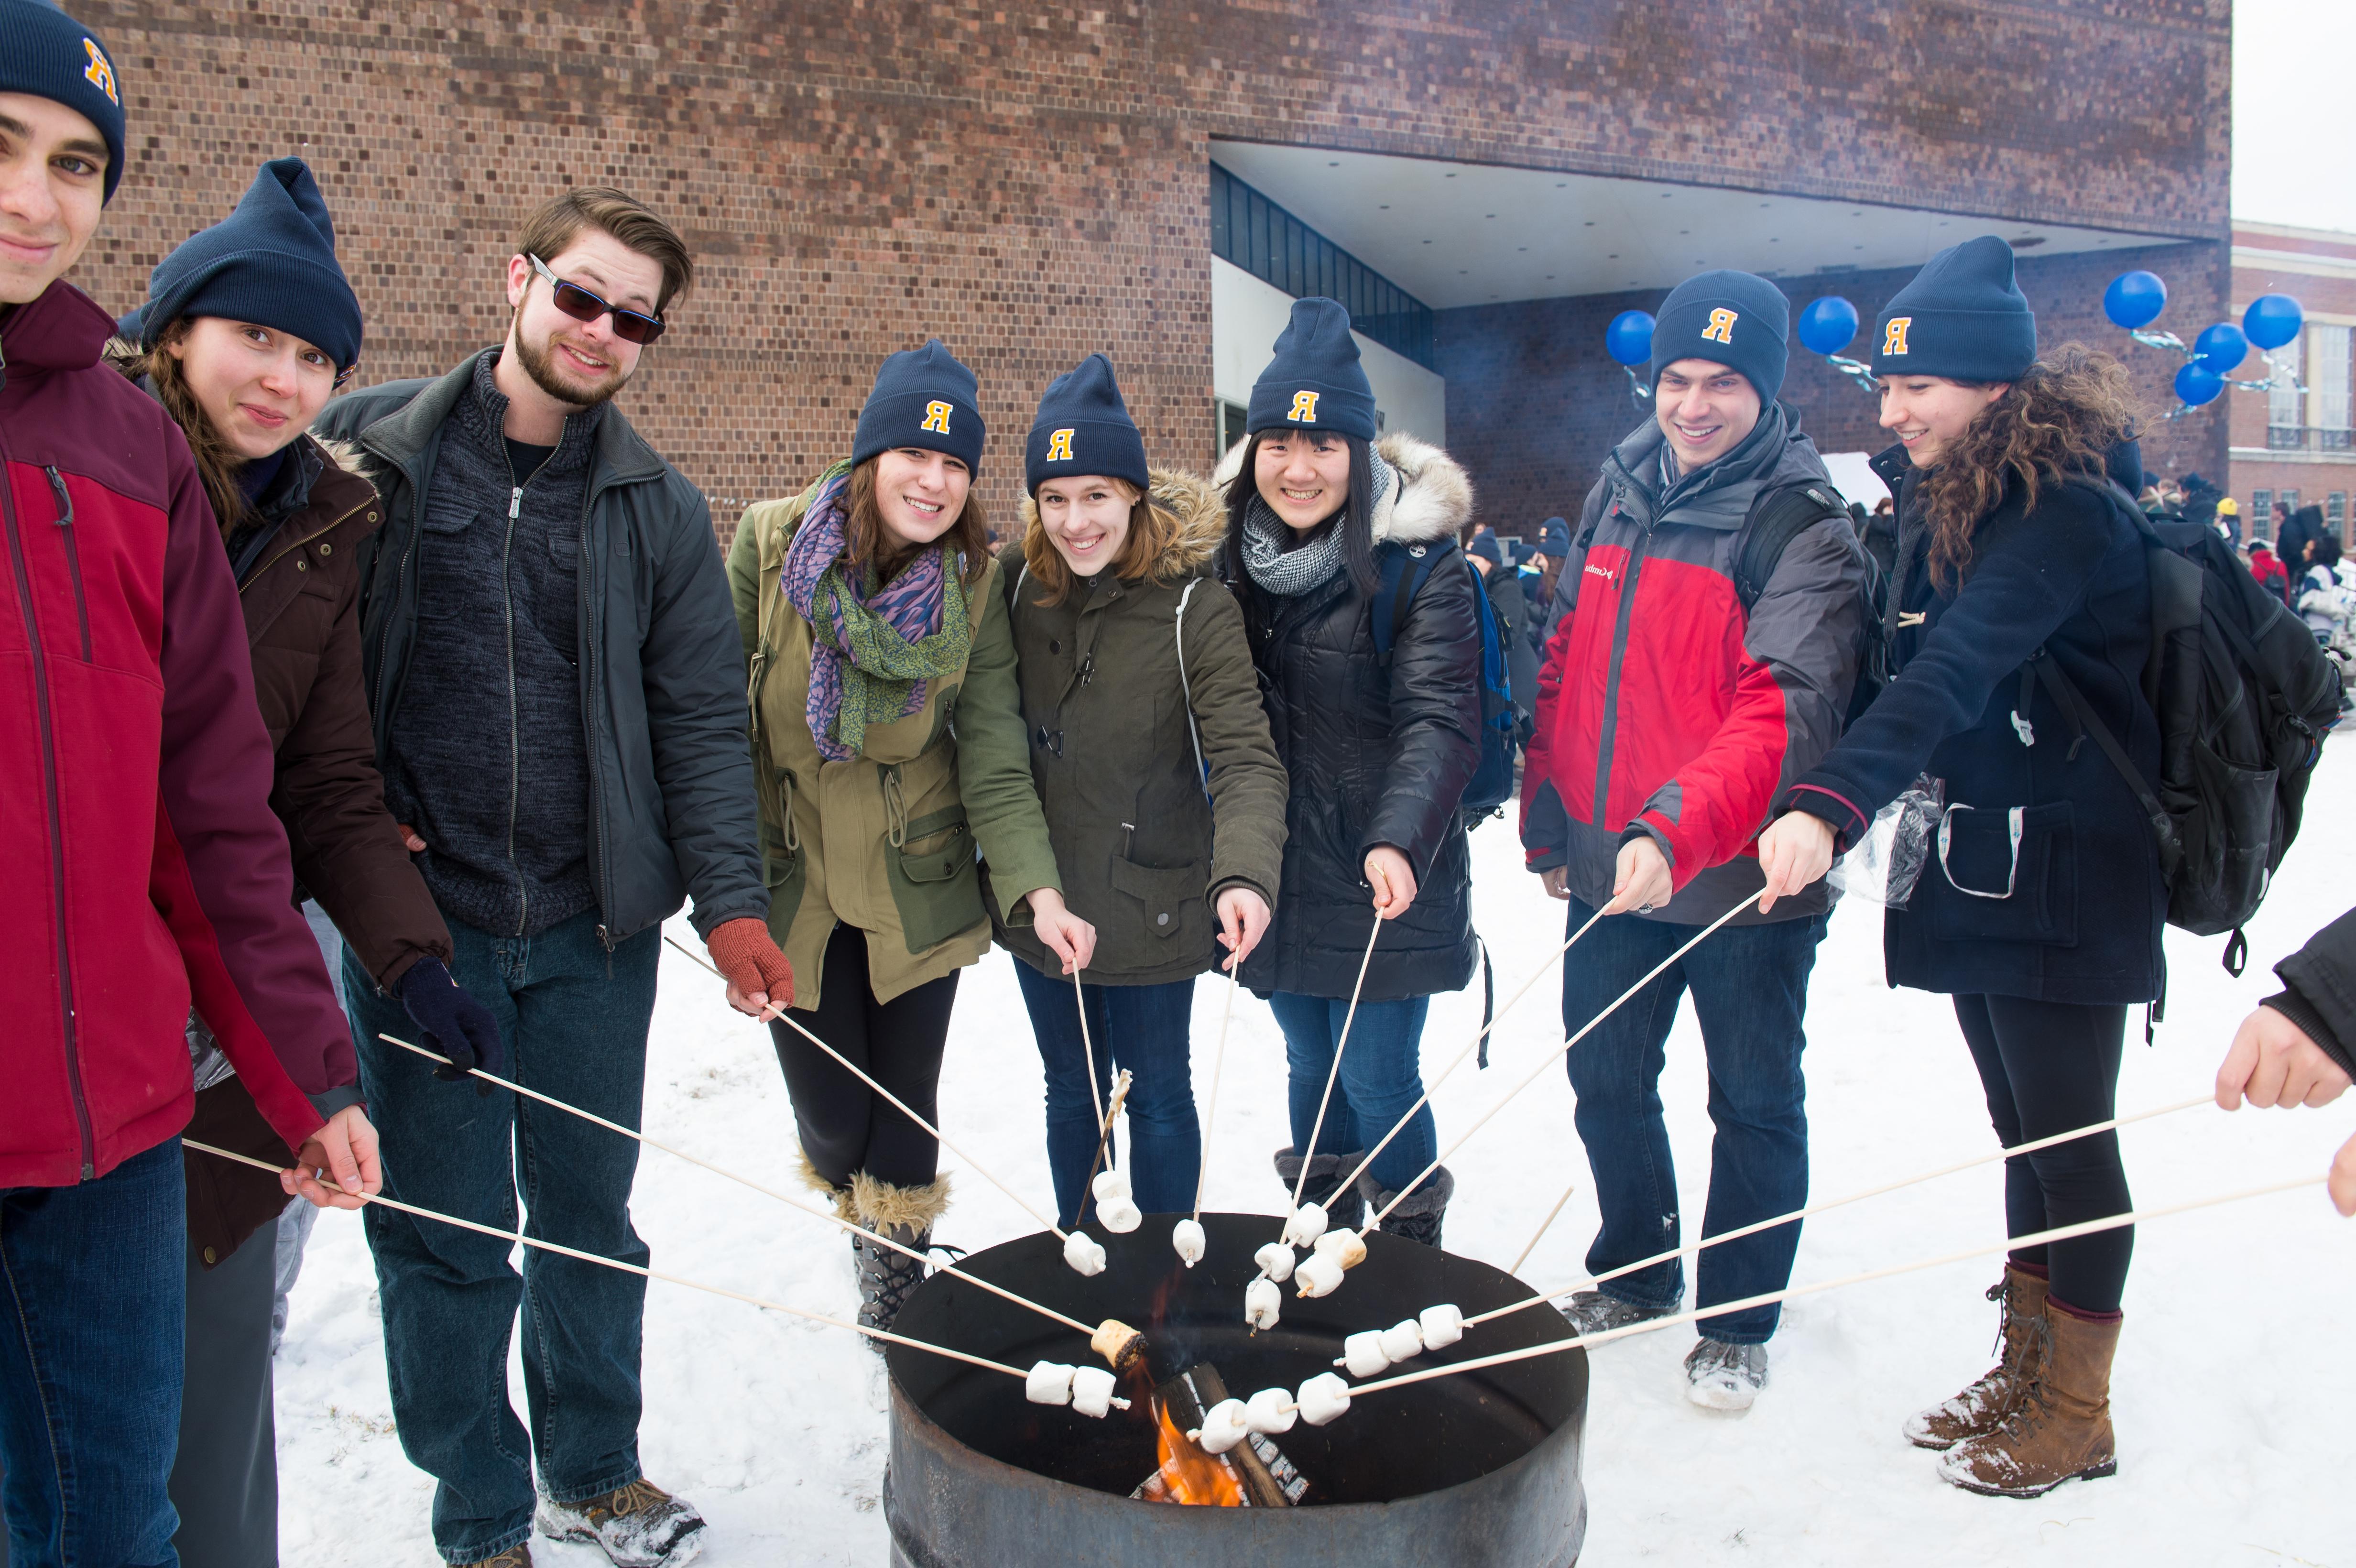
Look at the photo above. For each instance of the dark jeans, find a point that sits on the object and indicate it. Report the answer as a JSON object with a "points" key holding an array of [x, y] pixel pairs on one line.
{"points": [[90, 1364], [846, 1127], [2048, 1067], [1750, 988], [1144, 1028], [1381, 1076], [225, 1478], [574, 1021]]}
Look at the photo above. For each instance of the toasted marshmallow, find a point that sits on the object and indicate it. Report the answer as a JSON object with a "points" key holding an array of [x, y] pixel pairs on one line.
{"points": [[1343, 1246]]}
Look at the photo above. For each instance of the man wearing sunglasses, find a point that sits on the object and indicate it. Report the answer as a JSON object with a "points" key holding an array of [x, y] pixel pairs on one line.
{"points": [[559, 699]]}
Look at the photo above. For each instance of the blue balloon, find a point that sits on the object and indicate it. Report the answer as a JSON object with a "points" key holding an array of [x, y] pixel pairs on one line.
{"points": [[2198, 384], [1829, 325], [1629, 338], [2272, 321], [2222, 347], [2134, 299]]}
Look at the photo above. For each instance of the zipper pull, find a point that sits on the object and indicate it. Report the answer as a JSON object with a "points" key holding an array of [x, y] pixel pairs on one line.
{"points": [[65, 501], [515, 503]]}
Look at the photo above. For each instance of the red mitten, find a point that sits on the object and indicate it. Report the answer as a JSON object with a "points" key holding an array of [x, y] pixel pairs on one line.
{"points": [[742, 950]]}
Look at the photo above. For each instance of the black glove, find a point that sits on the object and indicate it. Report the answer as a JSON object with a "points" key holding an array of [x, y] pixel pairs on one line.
{"points": [[455, 1024]]}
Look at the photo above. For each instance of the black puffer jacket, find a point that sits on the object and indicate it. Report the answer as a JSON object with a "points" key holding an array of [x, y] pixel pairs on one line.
{"points": [[1376, 756]]}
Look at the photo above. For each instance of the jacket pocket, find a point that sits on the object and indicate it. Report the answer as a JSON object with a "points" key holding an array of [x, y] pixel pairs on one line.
{"points": [[936, 878], [1989, 888], [1169, 896], [442, 577]]}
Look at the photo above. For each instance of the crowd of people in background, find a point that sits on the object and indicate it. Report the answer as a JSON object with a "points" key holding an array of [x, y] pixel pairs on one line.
{"points": [[456, 665]]}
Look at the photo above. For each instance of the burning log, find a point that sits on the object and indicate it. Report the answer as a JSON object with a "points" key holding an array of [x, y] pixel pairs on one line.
{"points": [[1245, 1469]]}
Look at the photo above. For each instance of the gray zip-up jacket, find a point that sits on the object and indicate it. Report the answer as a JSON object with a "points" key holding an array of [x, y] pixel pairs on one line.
{"points": [[660, 668]]}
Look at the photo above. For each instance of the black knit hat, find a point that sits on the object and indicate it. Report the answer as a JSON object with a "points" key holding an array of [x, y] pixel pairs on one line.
{"points": [[923, 397], [1083, 427], [44, 53], [1315, 381], [1734, 319], [272, 262], [1963, 317]]}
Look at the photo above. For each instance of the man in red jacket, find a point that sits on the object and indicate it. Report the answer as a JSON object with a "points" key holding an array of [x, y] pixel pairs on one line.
{"points": [[143, 867]]}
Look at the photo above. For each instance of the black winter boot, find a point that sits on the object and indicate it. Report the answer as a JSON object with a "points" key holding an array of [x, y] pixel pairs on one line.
{"points": [[1418, 1217], [888, 1275], [1343, 1210]]}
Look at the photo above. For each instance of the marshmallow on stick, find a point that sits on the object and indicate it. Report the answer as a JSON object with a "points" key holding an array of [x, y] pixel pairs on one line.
{"points": [[1049, 1382], [1187, 1238], [1275, 1261], [1363, 1354], [1092, 1391], [1320, 1274], [1110, 1184], [1223, 1427], [1083, 1253], [1121, 1346], [1262, 1303], [1322, 1398], [1271, 1412], [1306, 1223], [1120, 1216], [1343, 1246], [1403, 1342], [1442, 1326]]}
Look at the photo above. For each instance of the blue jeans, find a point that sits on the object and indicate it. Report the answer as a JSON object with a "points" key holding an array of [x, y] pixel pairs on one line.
{"points": [[90, 1365], [1144, 1028], [574, 1021], [1750, 985], [1382, 1075]]}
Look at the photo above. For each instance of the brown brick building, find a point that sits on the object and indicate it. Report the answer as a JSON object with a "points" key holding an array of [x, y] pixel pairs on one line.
{"points": [[2296, 445], [1033, 183]]}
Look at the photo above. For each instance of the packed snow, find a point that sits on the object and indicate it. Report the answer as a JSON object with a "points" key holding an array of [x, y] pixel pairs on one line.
{"points": [[2229, 1397]]}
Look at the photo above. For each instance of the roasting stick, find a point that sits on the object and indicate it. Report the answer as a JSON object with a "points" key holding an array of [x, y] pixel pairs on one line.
{"points": [[2059, 1233], [1401, 1196], [1472, 1045], [1797, 1214], [1543, 1226], [834, 1220], [638, 1269], [778, 1013], [1340, 1046], [1104, 1134], [1218, 1060], [1095, 1096]]}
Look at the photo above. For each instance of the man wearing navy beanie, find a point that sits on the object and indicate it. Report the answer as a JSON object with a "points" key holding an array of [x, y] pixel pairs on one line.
{"points": [[1676, 694], [44, 53]]}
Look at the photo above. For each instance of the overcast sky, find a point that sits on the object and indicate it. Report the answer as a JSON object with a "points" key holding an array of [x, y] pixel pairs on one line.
{"points": [[2292, 64]]}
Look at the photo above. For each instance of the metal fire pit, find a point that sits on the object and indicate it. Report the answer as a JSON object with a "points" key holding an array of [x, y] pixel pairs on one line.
{"points": [[1468, 1471]]}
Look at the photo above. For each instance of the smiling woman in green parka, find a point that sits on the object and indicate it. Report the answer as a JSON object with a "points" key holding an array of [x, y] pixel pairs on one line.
{"points": [[887, 745]]}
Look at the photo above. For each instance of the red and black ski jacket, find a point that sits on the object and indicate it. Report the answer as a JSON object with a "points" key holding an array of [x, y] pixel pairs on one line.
{"points": [[142, 864], [1666, 708]]}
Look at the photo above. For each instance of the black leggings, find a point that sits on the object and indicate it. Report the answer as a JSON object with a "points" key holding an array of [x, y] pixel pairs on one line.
{"points": [[2048, 1067], [846, 1127]]}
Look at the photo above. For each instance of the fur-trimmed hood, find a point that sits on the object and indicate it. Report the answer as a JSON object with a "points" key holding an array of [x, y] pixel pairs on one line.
{"points": [[1201, 509], [1432, 500]]}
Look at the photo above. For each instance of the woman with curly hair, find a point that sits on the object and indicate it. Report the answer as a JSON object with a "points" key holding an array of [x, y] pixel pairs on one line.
{"points": [[2040, 910]]}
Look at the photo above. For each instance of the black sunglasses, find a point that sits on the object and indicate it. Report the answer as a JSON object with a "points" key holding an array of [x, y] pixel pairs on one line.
{"points": [[582, 305]]}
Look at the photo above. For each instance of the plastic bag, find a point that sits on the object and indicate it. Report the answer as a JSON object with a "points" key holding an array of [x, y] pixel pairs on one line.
{"points": [[1883, 866]]}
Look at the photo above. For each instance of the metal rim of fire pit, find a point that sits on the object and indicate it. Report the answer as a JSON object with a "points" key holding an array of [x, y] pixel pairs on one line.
{"points": [[950, 1505]]}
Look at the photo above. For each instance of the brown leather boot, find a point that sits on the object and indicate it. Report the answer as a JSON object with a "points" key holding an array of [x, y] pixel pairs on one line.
{"points": [[2060, 1431], [1981, 1408]]}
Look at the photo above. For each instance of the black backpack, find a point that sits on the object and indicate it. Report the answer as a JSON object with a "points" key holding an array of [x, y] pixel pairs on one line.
{"points": [[1779, 516], [1403, 570]]}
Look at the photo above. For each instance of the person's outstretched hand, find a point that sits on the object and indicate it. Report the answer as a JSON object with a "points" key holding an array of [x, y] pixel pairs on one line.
{"points": [[1794, 853], [2273, 1062], [757, 974], [454, 1021], [344, 1151], [1070, 938]]}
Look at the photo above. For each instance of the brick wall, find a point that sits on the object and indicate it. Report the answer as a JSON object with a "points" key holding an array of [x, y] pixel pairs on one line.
{"points": [[1030, 183]]}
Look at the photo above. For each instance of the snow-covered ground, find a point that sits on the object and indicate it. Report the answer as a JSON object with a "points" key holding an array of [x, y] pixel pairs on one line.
{"points": [[2232, 1392]]}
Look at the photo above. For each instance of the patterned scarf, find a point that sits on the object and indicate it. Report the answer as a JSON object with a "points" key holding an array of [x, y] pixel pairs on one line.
{"points": [[872, 649], [1295, 570]]}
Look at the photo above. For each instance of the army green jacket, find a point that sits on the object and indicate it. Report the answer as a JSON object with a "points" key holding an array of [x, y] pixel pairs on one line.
{"points": [[886, 841], [1143, 853]]}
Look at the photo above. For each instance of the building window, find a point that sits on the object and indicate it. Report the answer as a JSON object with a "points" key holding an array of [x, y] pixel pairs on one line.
{"points": [[2328, 379], [2262, 514], [1254, 233], [2335, 514], [2286, 419], [1231, 427]]}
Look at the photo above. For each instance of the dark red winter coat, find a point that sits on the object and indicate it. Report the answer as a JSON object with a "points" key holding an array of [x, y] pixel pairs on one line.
{"points": [[142, 866]]}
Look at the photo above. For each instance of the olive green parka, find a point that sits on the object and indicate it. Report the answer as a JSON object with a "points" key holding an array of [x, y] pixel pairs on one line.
{"points": [[1143, 854], [885, 841]]}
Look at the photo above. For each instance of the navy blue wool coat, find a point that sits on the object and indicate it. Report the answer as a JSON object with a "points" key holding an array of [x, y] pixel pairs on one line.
{"points": [[2082, 920]]}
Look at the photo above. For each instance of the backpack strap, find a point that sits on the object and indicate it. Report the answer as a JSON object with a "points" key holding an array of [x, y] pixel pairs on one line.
{"points": [[1402, 570], [1776, 518], [2073, 703]]}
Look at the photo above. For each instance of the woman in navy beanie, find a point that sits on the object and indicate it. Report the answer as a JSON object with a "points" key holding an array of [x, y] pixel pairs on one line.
{"points": [[2020, 576], [248, 327], [1377, 748]]}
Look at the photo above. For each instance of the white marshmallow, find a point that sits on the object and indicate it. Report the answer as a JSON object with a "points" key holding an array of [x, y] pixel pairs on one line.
{"points": [[1092, 1390], [1343, 1246], [1110, 1185], [1403, 1342], [1442, 1326], [1275, 1261], [1307, 1223], [1323, 1398], [1187, 1237], [1049, 1382], [1222, 1426], [1119, 1215], [1272, 1411], [1363, 1354], [1083, 1253], [1262, 1303], [1319, 1275]]}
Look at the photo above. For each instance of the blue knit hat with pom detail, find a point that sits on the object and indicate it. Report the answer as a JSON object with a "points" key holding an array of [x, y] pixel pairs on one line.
{"points": [[1315, 382], [1083, 427]]}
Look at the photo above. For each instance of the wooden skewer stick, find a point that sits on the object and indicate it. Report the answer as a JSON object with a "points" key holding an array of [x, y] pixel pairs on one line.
{"points": [[1218, 1060], [1651, 1324], [517, 1236], [835, 1220], [1401, 1196], [1317, 1127], [1104, 1134], [1756, 1226], [1469, 1047], [1088, 1051], [778, 1013], [1543, 1225]]}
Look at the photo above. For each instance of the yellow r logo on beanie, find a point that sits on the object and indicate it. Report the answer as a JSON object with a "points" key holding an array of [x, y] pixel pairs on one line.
{"points": [[1304, 407], [1721, 325], [99, 73], [1893, 336], [1059, 446], [936, 418]]}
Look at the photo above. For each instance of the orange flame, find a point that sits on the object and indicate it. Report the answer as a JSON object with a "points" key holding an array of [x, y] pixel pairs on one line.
{"points": [[1191, 1476]]}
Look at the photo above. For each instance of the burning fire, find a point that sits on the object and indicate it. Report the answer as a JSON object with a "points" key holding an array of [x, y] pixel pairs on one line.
{"points": [[1191, 1476]]}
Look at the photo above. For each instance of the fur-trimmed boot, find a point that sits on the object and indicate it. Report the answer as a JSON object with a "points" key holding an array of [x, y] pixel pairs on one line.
{"points": [[887, 1275], [1981, 1408], [1418, 1218], [2060, 1430], [1343, 1210]]}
